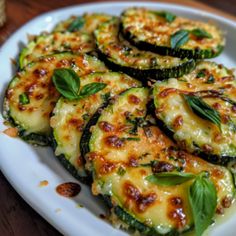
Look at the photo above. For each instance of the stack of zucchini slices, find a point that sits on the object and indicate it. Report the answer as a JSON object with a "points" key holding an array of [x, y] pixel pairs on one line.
{"points": [[130, 110]]}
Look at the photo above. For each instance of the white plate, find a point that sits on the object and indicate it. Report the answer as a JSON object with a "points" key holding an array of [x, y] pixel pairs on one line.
{"points": [[25, 166]]}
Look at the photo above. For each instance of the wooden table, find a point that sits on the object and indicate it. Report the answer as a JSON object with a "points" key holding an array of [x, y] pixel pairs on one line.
{"points": [[16, 216]]}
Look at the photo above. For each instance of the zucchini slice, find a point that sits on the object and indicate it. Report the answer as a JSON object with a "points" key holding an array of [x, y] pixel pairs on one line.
{"points": [[149, 30], [43, 45], [215, 85], [119, 55], [70, 117], [85, 23], [31, 95], [121, 158]]}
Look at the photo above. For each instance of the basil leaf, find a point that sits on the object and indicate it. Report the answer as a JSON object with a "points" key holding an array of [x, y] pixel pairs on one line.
{"points": [[169, 178], [67, 82], [169, 17], [203, 201], [90, 89], [24, 99], [179, 38], [76, 24], [201, 33], [203, 110]]}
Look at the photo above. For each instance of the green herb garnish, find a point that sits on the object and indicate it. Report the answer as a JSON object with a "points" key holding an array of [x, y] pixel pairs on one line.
{"points": [[24, 99], [121, 171], [179, 38], [136, 122], [90, 89], [202, 195], [200, 33], [76, 24], [130, 139], [67, 82], [203, 110], [169, 17], [170, 178], [201, 74], [203, 201]]}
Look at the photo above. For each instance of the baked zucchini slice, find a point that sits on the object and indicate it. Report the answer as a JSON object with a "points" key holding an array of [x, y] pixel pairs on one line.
{"points": [[175, 36], [119, 55], [85, 23], [31, 95], [123, 156], [46, 44], [200, 110], [70, 117]]}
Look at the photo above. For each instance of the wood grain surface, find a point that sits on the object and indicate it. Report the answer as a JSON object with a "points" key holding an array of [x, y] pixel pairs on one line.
{"points": [[17, 217]]}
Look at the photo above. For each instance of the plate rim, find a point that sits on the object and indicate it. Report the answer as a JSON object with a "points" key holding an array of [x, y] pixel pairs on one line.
{"points": [[42, 17]]}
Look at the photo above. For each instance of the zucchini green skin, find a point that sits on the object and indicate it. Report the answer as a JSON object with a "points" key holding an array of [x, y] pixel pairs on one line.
{"points": [[42, 45], [178, 52], [133, 224], [70, 117], [104, 162], [130, 28], [86, 135], [145, 75], [32, 119], [70, 167], [89, 22], [142, 228], [119, 55], [195, 134]]}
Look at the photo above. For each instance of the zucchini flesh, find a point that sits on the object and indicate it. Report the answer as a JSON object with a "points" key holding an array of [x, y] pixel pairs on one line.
{"points": [[35, 82], [119, 55], [118, 159], [216, 85], [148, 30], [89, 22], [43, 45], [70, 117]]}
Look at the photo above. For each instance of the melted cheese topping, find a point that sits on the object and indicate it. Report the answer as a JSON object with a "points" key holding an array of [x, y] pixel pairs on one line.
{"points": [[122, 53], [70, 117], [35, 81], [57, 42], [91, 22], [119, 171], [147, 26], [194, 132]]}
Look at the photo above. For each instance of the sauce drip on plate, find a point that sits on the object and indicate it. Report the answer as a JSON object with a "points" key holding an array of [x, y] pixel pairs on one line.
{"points": [[68, 189]]}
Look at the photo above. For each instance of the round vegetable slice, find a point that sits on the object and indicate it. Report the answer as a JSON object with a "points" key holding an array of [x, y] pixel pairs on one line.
{"points": [[31, 95], [120, 55], [166, 34], [126, 160], [200, 110], [70, 117], [43, 45]]}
